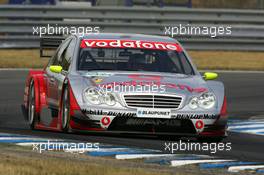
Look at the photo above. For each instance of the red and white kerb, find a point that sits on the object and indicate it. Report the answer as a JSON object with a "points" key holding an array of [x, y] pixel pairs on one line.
{"points": [[134, 44]]}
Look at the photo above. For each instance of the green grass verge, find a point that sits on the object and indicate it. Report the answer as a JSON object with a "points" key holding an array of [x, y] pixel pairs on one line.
{"points": [[222, 60], [17, 165], [17, 160]]}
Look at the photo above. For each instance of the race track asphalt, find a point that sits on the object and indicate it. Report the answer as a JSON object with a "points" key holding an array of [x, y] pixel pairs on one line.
{"points": [[245, 93]]}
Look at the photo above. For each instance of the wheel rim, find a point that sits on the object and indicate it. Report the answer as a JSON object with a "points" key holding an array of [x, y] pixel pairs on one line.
{"points": [[31, 112], [65, 110]]}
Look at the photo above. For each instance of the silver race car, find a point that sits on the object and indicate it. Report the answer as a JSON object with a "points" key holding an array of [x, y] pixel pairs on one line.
{"points": [[125, 83]]}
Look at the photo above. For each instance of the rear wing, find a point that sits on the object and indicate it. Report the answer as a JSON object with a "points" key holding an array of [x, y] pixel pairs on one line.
{"points": [[48, 45]]}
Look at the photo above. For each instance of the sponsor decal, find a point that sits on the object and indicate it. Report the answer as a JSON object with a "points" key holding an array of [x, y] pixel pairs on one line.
{"points": [[194, 116], [145, 77], [98, 74], [109, 113], [135, 44], [199, 124], [105, 120], [153, 113], [154, 122], [159, 84], [130, 114]]}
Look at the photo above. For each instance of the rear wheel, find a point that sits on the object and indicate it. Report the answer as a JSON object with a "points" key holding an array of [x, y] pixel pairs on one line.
{"points": [[65, 111], [33, 118]]}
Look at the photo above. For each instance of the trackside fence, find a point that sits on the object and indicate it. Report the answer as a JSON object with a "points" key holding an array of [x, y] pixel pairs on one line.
{"points": [[20, 25]]}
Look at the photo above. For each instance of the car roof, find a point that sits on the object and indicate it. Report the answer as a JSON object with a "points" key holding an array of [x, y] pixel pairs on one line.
{"points": [[127, 36]]}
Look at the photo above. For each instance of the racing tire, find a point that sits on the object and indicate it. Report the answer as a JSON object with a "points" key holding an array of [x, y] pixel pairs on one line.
{"points": [[65, 110], [33, 117]]}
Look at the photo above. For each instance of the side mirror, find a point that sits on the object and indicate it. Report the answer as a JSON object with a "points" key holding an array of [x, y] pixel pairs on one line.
{"points": [[210, 76], [55, 69]]}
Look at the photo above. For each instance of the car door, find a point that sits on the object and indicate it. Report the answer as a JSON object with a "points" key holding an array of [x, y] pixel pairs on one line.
{"points": [[52, 78]]}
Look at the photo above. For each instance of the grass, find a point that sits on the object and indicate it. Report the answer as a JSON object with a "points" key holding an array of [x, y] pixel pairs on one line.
{"points": [[17, 160], [228, 60], [212, 60], [27, 58], [238, 4], [16, 165], [20, 160]]}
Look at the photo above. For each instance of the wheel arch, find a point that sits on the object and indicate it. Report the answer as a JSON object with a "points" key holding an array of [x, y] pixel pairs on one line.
{"points": [[40, 89]]}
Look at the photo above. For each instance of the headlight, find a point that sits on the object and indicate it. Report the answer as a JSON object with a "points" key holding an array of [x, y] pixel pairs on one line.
{"points": [[92, 96], [95, 97], [193, 103], [205, 101], [109, 99]]}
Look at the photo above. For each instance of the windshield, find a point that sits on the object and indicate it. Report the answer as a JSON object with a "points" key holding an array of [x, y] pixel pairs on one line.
{"points": [[133, 59]]}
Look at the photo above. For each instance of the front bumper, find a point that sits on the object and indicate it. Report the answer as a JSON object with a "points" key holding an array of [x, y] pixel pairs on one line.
{"points": [[128, 122]]}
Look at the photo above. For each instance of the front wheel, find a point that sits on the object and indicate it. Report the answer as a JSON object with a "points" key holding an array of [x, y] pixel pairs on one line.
{"points": [[32, 115], [65, 111]]}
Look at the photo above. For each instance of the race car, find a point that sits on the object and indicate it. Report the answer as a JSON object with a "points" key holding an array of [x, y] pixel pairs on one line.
{"points": [[125, 83]]}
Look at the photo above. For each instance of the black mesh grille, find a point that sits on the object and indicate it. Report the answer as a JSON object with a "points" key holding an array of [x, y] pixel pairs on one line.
{"points": [[153, 101], [151, 124]]}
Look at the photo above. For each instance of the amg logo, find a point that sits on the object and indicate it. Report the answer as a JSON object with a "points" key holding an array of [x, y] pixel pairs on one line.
{"points": [[153, 122]]}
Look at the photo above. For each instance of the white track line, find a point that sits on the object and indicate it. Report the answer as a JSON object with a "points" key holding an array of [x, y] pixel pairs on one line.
{"points": [[20, 138], [44, 142], [8, 134], [252, 130], [95, 149], [188, 162], [60, 146], [245, 123], [17, 69], [246, 126], [242, 168], [30, 143], [141, 156]]}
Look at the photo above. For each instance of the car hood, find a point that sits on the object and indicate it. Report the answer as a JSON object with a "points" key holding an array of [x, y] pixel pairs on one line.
{"points": [[172, 83]]}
